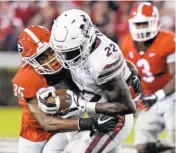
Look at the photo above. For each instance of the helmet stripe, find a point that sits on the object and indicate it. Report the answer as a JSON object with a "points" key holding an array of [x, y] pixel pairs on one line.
{"points": [[139, 10], [33, 36]]}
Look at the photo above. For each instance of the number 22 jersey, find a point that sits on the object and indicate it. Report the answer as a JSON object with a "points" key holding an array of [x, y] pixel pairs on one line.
{"points": [[103, 63]]}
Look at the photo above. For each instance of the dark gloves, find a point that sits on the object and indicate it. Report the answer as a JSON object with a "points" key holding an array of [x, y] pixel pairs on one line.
{"points": [[100, 123]]}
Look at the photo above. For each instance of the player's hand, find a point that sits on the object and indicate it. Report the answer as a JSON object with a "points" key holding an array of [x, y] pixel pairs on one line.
{"points": [[42, 95], [136, 83], [103, 123], [149, 100]]}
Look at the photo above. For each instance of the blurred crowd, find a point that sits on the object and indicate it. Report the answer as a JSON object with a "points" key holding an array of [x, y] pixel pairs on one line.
{"points": [[111, 17]]}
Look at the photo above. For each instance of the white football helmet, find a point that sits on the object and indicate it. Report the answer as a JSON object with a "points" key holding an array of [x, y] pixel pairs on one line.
{"points": [[147, 13], [72, 36]]}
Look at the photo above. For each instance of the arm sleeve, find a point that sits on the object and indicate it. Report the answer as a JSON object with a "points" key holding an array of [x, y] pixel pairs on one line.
{"points": [[170, 58]]}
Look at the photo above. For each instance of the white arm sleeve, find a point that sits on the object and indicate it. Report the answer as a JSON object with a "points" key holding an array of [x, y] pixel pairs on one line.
{"points": [[171, 58]]}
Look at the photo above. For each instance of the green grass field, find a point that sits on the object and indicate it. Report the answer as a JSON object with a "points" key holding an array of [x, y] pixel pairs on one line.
{"points": [[10, 121]]}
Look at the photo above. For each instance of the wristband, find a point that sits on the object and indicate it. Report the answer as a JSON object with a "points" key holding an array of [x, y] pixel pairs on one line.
{"points": [[160, 94], [85, 124], [90, 107]]}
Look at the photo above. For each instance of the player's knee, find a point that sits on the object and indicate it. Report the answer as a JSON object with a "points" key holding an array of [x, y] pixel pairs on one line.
{"points": [[141, 148], [153, 147]]}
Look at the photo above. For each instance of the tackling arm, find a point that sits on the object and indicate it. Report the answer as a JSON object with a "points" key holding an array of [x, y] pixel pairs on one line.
{"points": [[55, 124], [51, 123]]}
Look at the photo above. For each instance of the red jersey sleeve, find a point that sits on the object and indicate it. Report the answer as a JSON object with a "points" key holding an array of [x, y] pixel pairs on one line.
{"points": [[27, 82], [167, 43]]}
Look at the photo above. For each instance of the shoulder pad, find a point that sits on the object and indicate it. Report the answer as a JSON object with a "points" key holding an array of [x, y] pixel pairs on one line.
{"points": [[27, 82], [106, 61], [165, 43]]}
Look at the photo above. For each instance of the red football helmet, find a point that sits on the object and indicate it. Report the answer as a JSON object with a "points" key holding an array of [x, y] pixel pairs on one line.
{"points": [[32, 42], [146, 13]]}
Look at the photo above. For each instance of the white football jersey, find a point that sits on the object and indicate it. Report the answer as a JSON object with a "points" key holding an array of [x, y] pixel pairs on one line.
{"points": [[104, 63]]}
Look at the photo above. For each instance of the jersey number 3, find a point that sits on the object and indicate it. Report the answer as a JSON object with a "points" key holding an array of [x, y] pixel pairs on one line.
{"points": [[148, 76], [18, 91]]}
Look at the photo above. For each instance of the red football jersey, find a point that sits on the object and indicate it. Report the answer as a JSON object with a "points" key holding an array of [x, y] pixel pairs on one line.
{"points": [[26, 83], [152, 65]]}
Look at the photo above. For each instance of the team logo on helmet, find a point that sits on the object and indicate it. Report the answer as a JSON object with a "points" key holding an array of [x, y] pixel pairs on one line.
{"points": [[20, 48]]}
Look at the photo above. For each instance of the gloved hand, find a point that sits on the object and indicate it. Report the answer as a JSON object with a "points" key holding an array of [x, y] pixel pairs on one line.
{"points": [[98, 123], [104, 123], [42, 95], [149, 100], [136, 83]]}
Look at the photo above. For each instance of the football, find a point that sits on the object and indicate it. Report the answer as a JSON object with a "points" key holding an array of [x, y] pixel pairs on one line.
{"points": [[65, 99]]}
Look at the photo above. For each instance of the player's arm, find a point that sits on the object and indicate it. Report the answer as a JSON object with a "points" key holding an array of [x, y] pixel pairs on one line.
{"points": [[170, 86], [132, 67], [109, 78], [118, 93], [51, 123], [168, 89], [134, 79], [55, 124]]}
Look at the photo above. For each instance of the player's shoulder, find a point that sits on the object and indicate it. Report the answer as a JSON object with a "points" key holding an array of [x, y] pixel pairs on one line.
{"points": [[25, 75], [104, 48], [126, 38], [126, 43], [166, 34], [105, 59], [29, 80], [164, 41], [165, 37]]}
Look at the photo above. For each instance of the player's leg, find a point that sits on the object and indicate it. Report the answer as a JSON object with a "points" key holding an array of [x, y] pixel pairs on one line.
{"points": [[116, 138], [169, 118], [27, 146], [56, 143], [149, 125], [101, 142], [78, 142], [116, 150]]}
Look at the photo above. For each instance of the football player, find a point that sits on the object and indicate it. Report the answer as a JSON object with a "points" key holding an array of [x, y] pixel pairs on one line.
{"points": [[99, 70], [153, 52], [41, 132]]}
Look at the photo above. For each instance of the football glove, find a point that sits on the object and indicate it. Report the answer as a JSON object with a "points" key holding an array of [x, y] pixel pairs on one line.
{"points": [[136, 83], [42, 95], [149, 100], [99, 123]]}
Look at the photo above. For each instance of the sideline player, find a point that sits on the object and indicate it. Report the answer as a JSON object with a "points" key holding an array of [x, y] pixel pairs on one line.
{"points": [[42, 69], [99, 70], [153, 52]]}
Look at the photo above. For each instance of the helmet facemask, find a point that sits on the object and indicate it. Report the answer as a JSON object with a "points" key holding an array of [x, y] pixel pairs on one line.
{"points": [[144, 22], [74, 57], [143, 34], [42, 68]]}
